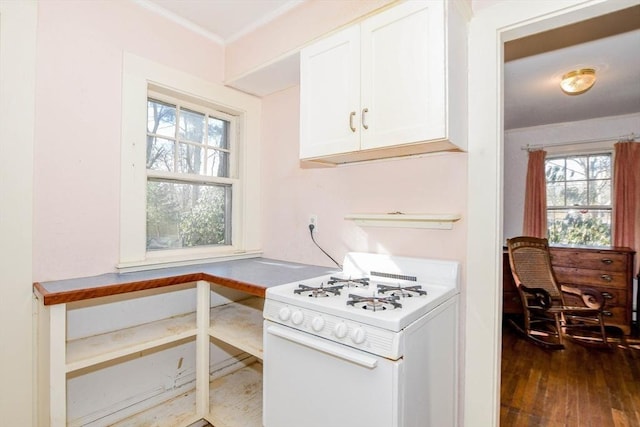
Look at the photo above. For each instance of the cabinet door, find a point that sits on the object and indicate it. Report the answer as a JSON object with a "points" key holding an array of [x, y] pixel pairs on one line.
{"points": [[403, 75], [330, 95]]}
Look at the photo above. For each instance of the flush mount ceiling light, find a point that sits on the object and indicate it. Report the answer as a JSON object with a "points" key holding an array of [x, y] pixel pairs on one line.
{"points": [[578, 81]]}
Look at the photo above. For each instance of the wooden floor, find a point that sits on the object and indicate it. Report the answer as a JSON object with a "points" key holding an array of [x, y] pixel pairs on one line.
{"points": [[575, 387]]}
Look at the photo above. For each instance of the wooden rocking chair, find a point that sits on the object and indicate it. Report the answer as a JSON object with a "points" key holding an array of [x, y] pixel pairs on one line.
{"points": [[546, 316]]}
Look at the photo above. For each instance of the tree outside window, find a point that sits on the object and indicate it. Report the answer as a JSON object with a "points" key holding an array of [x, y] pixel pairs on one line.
{"points": [[579, 189]]}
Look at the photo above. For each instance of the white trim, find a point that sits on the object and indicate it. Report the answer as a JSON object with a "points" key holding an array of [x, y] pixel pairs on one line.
{"points": [[18, 54], [189, 25], [490, 28], [291, 4], [138, 75]]}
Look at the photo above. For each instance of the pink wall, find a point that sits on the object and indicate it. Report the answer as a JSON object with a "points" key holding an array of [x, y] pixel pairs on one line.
{"points": [[77, 153], [291, 31], [78, 114], [431, 184]]}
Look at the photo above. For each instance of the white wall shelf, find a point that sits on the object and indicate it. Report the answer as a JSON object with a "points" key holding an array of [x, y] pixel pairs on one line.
{"points": [[402, 220]]}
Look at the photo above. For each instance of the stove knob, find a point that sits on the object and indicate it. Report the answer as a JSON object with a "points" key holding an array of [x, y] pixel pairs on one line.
{"points": [[284, 313], [297, 317], [341, 330], [358, 336], [317, 323]]}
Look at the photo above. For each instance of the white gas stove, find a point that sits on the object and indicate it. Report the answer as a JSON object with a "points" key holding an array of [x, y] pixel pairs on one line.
{"points": [[396, 317]]}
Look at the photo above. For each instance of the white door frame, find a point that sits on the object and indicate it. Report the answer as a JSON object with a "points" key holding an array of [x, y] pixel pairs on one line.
{"points": [[489, 29], [18, 25]]}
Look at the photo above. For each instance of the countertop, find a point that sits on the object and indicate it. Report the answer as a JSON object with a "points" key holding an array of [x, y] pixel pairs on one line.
{"points": [[253, 275]]}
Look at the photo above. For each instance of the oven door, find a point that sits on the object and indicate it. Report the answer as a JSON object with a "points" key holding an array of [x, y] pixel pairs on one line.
{"points": [[312, 382]]}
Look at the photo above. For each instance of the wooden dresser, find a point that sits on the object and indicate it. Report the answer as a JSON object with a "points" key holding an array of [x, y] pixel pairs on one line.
{"points": [[608, 270]]}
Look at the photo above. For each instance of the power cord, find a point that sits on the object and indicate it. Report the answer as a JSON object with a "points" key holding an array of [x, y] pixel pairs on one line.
{"points": [[311, 227]]}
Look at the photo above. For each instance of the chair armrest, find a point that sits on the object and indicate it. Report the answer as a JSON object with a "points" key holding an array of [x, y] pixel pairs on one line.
{"points": [[590, 297], [542, 297]]}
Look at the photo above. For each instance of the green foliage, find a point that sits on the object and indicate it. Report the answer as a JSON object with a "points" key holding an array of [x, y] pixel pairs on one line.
{"points": [[163, 212], [185, 215], [580, 229], [204, 224]]}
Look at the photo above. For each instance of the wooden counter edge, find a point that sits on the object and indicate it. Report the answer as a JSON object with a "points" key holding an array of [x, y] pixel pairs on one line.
{"points": [[52, 298]]}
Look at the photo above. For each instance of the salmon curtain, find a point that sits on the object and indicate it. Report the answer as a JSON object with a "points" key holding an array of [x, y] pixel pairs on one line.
{"points": [[535, 197], [626, 196]]}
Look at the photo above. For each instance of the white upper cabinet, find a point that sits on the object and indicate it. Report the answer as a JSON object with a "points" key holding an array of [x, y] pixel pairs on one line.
{"points": [[384, 88], [330, 94]]}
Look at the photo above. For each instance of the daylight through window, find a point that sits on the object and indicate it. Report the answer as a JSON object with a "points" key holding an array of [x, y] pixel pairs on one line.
{"points": [[579, 190], [189, 175]]}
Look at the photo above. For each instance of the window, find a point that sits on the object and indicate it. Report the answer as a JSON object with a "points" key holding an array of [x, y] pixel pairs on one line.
{"points": [[190, 169], [579, 191], [189, 182]]}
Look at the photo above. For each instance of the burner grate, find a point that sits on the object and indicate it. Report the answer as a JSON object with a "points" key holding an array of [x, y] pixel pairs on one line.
{"points": [[401, 291], [350, 283], [374, 303], [320, 291]]}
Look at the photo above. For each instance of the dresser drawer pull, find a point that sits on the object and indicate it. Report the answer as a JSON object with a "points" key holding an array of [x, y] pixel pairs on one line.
{"points": [[607, 313], [606, 295], [607, 261], [606, 277]]}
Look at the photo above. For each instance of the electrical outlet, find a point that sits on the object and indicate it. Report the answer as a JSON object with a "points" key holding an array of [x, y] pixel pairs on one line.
{"points": [[313, 220]]}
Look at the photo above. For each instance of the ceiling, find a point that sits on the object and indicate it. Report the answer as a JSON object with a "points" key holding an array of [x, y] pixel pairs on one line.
{"points": [[533, 65]]}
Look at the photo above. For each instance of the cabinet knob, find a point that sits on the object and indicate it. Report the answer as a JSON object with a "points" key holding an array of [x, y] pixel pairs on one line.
{"points": [[607, 261], [606, 277], [364, 123], [607, 313], [352, 115], [606, 295]]}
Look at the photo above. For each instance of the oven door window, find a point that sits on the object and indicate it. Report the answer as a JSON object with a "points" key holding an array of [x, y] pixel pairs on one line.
{"points": [[312, 382]]}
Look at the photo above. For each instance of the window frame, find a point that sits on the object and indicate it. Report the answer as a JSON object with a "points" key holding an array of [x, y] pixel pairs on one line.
{"points": [[598, 149], [232, 180], [141, 78]]}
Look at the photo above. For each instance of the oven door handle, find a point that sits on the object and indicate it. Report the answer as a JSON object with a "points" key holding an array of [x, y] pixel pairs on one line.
{"points": [[328, 348]]}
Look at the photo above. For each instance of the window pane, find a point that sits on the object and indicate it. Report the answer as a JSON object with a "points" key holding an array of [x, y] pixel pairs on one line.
{"points": [[218, 163], [600, 167], [555, 170], [600, 192], [160, 154], [587, 227], [576, 193], [187, 215], [161, 118], [218, 133], [555, 194], [586, 182], [191, 126], [191, 159], [576, 168]]}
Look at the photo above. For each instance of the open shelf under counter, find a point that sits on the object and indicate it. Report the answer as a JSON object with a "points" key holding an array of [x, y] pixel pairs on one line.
{"points": [[89, 351], [405, 220], [177, 412], [235, 400], [239, 324]]}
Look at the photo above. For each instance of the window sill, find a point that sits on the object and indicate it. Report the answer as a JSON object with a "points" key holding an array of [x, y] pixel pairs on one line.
{"points": [[158, 263]]}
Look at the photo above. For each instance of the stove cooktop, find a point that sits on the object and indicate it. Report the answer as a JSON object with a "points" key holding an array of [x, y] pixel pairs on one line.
{"points": [[374, 289]]}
